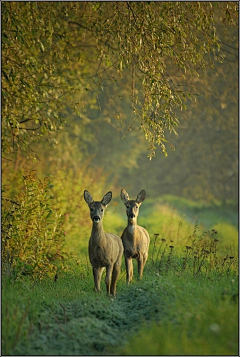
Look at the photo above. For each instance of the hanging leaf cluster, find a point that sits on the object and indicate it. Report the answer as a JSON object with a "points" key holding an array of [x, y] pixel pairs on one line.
{"points": [[55, 53]]}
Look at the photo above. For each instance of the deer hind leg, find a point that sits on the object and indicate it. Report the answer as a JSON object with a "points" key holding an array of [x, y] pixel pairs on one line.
{"points": [[108, 278], [145, 256], [97, 274], [129, 269], [115, 274]]}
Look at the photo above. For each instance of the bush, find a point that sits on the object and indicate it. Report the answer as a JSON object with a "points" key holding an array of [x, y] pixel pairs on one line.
{"points": [[32, 231]]}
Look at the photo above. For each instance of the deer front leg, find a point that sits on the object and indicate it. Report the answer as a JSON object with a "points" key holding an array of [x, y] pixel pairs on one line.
{"points": [[97, 274], [115, 274], [108, 278], [129, 269]]}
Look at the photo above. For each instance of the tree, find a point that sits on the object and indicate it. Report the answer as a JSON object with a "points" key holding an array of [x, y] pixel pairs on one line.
{"points": [[55, 53]]}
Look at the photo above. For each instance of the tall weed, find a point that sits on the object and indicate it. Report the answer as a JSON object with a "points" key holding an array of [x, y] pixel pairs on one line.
{"points": [[198, 256]]}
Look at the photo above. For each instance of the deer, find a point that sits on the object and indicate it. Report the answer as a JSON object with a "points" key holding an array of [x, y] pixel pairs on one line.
{"points": [[135, 238], [105, 249]]}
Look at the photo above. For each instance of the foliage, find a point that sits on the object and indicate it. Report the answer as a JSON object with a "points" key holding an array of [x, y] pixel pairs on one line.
{"points": [[32, 231], [204, 165], [54, 54], [39, 71]]}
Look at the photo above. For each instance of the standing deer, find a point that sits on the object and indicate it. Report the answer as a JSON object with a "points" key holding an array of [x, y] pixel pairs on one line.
{"points": [[135, 238], [105, 249]]}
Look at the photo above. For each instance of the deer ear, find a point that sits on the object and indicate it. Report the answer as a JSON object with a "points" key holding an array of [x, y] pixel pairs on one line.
{"points": [[141, 196], [87, 197], [124, 195], [106, 199]]}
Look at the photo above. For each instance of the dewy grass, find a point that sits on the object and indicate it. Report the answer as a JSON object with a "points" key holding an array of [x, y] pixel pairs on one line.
{"points": [[196, 319]]}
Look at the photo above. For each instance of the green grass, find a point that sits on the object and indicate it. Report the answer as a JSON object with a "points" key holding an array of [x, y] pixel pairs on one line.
{"points": [[195, 319], [182, 306], [162, 314]]}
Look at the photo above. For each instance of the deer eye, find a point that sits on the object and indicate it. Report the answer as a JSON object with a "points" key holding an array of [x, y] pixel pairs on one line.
{"points": [[91, 209], [127, 206], [101, 209]]}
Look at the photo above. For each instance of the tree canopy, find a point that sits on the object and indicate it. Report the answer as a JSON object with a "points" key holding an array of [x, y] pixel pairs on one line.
{"points": [[60, 56]]}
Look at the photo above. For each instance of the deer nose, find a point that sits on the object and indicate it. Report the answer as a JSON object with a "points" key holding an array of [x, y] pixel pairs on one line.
{"points": [[96, 219]]}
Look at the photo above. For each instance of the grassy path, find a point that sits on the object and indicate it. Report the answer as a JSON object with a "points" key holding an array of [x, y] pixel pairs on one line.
{"points": [[175, 312], [67, 318]]}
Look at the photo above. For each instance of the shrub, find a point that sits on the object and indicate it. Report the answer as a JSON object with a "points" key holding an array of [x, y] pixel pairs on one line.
{"points": [[32, 231]]}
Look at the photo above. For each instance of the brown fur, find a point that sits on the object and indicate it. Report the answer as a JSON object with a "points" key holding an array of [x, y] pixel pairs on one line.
{"points": [[135, 238], [105, 249]]}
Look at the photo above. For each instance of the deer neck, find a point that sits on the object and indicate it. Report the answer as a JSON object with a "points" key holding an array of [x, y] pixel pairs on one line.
{"points": [[132, 224], [98, 234]]}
